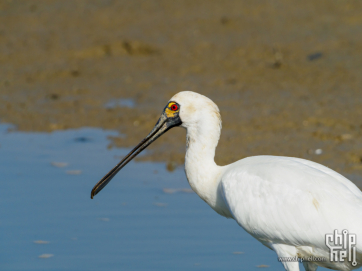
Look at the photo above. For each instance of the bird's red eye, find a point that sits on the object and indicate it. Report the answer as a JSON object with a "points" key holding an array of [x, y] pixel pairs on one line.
{"points": [[174, 107]]}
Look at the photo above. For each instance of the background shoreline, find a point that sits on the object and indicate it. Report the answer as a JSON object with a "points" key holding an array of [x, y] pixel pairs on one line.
{"points": [[287, 76]]}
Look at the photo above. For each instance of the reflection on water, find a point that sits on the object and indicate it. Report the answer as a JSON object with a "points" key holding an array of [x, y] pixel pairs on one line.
{"points": [[145, 219]]}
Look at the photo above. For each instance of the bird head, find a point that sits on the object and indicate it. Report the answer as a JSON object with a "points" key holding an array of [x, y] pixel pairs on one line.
{"points": [[186, 108]]}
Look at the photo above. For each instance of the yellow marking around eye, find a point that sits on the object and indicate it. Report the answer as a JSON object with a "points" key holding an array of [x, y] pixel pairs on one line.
{"points": [[169, 112]]}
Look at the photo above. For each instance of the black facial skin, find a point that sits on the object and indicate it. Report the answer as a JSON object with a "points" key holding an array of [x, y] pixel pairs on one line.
{"points": [[165, 123]]}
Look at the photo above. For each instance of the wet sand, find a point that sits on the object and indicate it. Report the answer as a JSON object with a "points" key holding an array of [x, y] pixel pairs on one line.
{"points": [[286, 75]]}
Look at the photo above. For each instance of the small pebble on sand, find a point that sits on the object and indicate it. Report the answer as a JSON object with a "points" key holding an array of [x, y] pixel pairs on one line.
{"points": [[346, 136], [45, 256], [59, 164], [41, 242], [73, 172], [169, 190]]}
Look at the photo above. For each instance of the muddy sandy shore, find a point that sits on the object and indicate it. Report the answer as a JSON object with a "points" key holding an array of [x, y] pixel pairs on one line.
{"points": [[286, 75]]}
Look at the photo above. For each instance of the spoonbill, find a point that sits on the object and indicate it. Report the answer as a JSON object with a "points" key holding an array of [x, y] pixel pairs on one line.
{"points": [[288, 204]]}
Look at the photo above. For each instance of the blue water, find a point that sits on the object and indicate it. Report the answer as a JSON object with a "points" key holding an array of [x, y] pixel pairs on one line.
{"points": [[130, 225]]}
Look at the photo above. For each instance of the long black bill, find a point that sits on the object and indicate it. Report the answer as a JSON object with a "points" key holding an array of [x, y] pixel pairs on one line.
{"points": [[162, 126]]}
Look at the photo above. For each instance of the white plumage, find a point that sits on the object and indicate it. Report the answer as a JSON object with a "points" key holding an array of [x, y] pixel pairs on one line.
{"points": [[288, 204]]}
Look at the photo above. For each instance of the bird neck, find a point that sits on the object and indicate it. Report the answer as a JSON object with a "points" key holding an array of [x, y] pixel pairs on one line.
{"points": [[201, 142], [201, 170]]}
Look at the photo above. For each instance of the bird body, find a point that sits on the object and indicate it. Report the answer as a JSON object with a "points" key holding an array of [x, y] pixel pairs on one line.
{"points": [[288, 204], [292, 203]]}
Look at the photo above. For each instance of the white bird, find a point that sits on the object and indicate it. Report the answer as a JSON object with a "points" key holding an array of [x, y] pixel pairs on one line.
{"points": [[288, 204]]}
